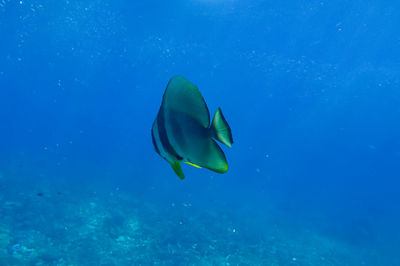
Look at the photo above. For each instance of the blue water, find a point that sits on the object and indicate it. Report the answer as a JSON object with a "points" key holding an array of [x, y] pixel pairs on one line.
{"points": [[309, 88]]}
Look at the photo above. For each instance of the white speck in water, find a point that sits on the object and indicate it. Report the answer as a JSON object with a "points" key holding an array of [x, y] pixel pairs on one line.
{"points": [[20, 2]]}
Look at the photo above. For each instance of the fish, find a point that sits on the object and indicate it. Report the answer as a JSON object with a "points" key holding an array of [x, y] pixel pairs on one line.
{"points": [[181, 131]]}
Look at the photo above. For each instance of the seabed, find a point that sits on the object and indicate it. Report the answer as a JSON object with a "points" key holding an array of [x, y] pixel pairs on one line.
{"points": [[116, 228]]}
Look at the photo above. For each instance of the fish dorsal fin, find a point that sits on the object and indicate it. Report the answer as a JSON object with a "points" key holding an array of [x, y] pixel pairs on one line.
{"points": [[183, 96]]}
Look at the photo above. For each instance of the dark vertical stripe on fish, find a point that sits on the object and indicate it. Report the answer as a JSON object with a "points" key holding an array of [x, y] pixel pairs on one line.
{"points": [[164, 137], [154, 141]]}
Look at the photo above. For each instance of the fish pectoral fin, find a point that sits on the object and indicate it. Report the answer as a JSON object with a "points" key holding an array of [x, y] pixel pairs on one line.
{"points": [[192, 164], [177, 169]]}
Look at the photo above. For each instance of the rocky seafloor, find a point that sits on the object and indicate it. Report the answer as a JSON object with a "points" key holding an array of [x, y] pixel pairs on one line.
{"points": [[49, 227]]}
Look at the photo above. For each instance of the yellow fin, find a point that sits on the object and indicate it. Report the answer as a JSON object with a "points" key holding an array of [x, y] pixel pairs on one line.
{"points": [[192, 164]]}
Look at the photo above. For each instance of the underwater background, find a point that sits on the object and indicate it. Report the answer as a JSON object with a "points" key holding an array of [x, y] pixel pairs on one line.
{"points": [[309, 88]]}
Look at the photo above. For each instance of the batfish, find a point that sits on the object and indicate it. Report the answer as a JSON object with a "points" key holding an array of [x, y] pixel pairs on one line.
{"points": [[182, 131]]}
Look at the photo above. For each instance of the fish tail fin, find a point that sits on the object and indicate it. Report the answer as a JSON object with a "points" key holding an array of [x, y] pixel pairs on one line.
{"points": [[220, 129], [177, 169]]}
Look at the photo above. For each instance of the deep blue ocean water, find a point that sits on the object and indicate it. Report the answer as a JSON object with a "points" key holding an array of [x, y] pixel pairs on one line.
{"points": [[309, 88]]}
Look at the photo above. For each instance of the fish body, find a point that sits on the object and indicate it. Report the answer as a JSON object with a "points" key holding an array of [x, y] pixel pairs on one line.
{"points": [[182, 131]]}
